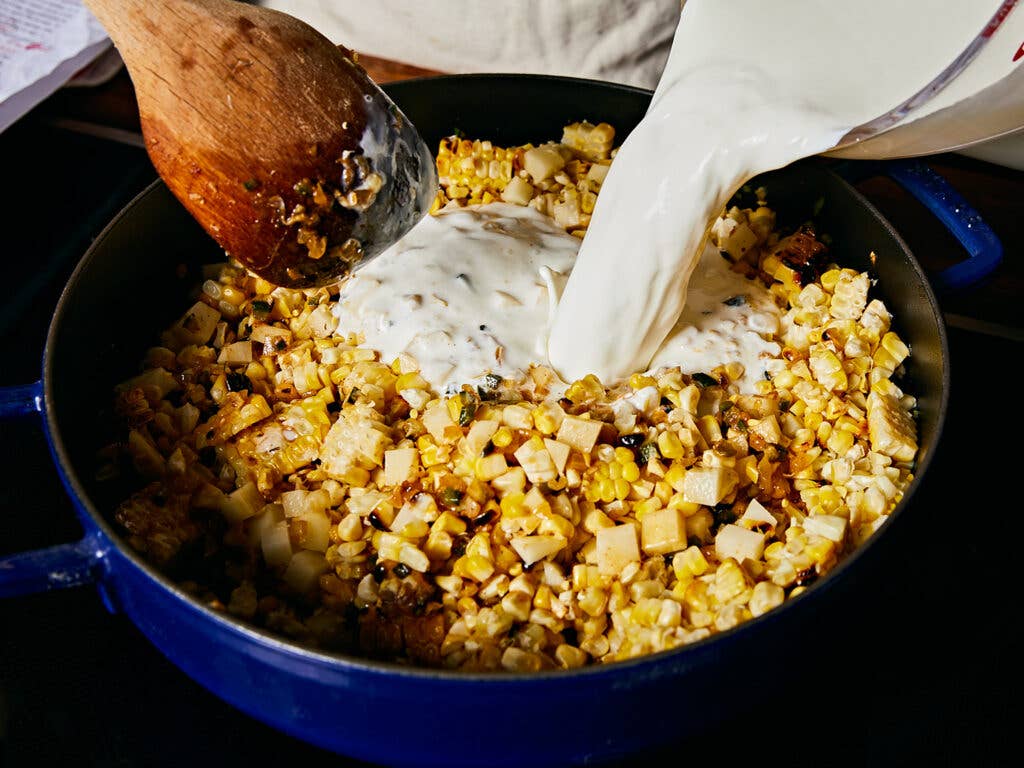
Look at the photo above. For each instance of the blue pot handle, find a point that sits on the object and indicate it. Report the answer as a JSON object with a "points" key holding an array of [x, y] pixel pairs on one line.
{"points": [[64, 565], [984, 249]]}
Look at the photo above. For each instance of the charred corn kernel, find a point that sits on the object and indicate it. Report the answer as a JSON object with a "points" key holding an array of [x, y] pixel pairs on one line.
{"points": [[662, 491], [764, 597], [438, 545], [350, 528], [542, 597], [595, 520], [784, 379], [491, 467], [678, 501], [639, 381], [669, 446], [517, 604], [820, 549], [414, 557], [411, 381], [730, 580], [623, 455], [617, 597], [640, 509], [431, 454], [587, 388], [547, 418], [446, 521], [593, 601], [570, 657], [696, 597], [478, 568], [502, 438], [689, 563], [675, 476], [774, 551], [827, 368], [512, 505]]}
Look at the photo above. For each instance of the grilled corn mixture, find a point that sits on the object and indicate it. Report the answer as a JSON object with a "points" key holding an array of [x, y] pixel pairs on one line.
{"points": [[297, 481]]}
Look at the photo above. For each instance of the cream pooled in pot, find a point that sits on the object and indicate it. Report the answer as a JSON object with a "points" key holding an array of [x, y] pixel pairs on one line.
{"points": [[467, 292], [470, 291]]}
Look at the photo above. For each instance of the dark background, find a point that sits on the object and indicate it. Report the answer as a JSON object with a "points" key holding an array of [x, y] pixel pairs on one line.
{"points": [[914, 663]]}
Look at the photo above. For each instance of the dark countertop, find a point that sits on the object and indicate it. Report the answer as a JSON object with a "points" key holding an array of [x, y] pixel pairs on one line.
{"points": [[922, 645]]}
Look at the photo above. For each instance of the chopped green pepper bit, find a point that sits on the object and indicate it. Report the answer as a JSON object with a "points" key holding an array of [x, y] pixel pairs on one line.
{"points": [[647, 452], [451, 497], [466, 414], [703, 380]]}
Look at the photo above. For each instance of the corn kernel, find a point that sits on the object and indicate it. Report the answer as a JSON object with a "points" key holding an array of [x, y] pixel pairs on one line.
{"points": [[669, 445]]}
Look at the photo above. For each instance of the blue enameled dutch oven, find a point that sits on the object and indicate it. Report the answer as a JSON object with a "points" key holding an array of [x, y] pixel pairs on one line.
{"points": [[135, 280]]}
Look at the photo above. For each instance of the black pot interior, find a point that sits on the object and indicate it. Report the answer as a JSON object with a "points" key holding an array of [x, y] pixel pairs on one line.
{"points": [[142, 271]]}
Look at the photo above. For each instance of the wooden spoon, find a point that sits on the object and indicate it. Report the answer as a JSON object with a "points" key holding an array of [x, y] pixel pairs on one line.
{"points": [[272, 137]]}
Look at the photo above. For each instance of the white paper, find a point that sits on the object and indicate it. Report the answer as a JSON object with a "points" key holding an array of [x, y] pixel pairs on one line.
{"points": [[43, 43]]}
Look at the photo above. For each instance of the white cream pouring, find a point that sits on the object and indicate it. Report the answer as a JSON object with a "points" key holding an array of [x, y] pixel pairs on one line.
{"points": [[749, 87]]}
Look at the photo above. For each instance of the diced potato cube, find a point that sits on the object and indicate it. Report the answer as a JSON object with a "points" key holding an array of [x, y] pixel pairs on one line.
{"points": [[512, 481], [400, 464], [832, 527], [738, 543], [536, 462], [490, 467], [517, 417], [242, 503], [756, 515], [534, 548], [422, 509], [559, 453], [299, 502], [580, 434], [315, 527], [663, 531], [617, 547], [276, 544], [236, 354], [196, 326], [269, 516], [708, 485], [304, 569], [767, 429], [598, 172], [542, 163], [518, 191], [439, 422], [479, 433]]}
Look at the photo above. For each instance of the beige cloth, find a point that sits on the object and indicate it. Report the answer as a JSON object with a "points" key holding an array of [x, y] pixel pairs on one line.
{"points": [[623, 41]]}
